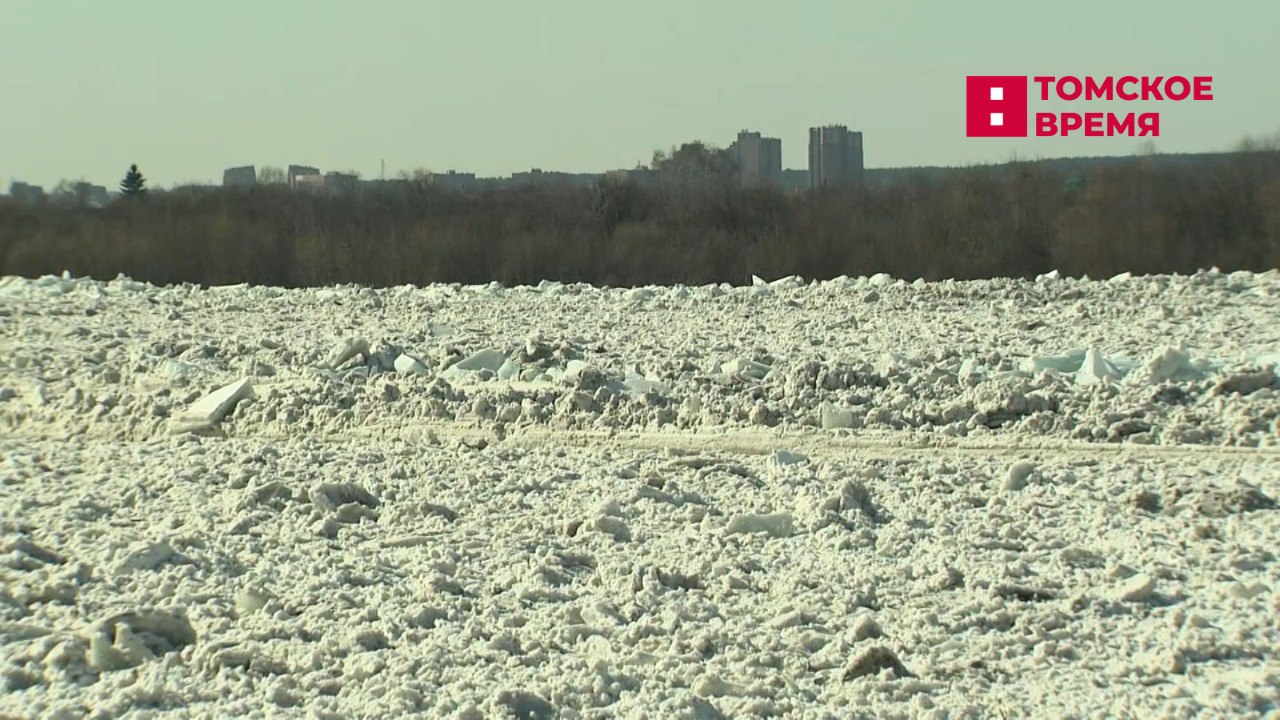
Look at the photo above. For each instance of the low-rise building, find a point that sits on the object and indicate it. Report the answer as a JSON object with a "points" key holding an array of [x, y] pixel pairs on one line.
{"points": [[83, 194], [303, 171], [453, 180], [341, 183], [307, 182], [537, 176], [23, 192], [240, 177]]}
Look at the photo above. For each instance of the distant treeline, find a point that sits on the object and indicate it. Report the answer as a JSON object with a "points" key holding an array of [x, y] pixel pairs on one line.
{"points": [[1145, 215]]}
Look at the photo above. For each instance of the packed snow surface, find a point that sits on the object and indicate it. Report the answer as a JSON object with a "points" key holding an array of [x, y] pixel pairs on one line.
{"points": [[858, 497]]}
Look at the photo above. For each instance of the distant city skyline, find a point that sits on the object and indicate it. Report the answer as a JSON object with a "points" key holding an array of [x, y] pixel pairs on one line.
{"points": [[188, 91]]}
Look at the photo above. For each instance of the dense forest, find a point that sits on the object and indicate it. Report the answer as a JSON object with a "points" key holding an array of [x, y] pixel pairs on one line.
{"points": [[1146, 214]]}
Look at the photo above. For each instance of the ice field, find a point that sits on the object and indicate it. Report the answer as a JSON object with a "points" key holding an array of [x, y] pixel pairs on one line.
{"points": [[860, 497]]}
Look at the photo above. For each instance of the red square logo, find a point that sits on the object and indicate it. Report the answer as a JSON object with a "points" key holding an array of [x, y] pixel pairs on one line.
{"points": [[996, 106]]}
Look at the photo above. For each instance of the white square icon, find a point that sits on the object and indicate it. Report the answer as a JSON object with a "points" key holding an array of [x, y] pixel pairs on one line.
{"points": [[997, 119], [997, 93]]}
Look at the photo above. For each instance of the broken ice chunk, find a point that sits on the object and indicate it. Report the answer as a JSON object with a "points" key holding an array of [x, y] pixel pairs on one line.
{"points": [[490, 359], [745, 368], [1167, 363], [1096, 369], [407, 365], [345, 350], [209, 410], [779, 525]]}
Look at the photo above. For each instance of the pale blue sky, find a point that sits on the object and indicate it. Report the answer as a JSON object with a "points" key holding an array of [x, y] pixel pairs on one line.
{"points": [[186, 89]]}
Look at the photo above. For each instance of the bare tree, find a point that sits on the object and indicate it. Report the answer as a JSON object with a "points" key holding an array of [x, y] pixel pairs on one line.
{"points": [[1266, 143], [271, 175]]}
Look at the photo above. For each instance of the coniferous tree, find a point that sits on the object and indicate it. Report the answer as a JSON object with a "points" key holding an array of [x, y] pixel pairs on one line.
{"points": [[133, 183]]}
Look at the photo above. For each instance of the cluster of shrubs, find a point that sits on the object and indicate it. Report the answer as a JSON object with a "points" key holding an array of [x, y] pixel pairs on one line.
{"points": [[1151, 214]]}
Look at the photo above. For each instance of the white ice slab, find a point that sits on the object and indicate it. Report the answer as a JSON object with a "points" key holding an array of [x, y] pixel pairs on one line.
{"points": [[209, 410], [487, 359], [407, 365], [346, 349], [1096, 369]]}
